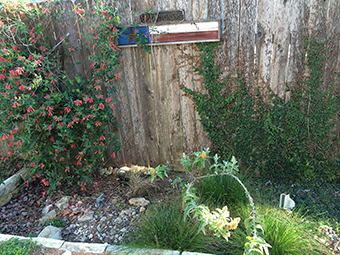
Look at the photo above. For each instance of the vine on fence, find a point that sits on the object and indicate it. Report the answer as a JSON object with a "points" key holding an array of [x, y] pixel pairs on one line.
{"points": [[294, 138]]}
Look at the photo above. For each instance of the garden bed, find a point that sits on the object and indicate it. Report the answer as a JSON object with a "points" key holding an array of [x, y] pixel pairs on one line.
{"points": [[115, 220]]}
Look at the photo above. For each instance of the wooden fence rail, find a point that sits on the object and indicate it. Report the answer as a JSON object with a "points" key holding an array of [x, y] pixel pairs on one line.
{"points": [[157, 123]]}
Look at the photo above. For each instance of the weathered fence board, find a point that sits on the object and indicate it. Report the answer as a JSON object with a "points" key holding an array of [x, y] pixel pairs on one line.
{"points": [[280, 48], [231, 35], [264, 38], [264, 41]]}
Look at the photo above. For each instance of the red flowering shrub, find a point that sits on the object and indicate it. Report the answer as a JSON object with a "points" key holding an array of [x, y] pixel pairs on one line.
{"points": [[60, 125]]}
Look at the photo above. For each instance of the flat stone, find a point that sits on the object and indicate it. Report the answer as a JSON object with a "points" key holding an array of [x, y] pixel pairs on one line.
{"points": [[51, 232], [139, 201], [63, 202], [121, 250], [48, 242], [49, 215], [87, 216], [84, 247]]}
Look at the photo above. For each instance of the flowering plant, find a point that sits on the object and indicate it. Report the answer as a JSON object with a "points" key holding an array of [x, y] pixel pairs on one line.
{"points": [[219, 221], [60, 125]]}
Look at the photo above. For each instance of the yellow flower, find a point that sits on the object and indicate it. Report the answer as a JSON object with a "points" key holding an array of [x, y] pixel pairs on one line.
{"points": [[248, 237], [307, 164], [203, 155]]}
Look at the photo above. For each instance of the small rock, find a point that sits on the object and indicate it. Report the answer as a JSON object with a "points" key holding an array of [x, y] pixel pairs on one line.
{"points": [[51, 214], [103, 218], [114, 201], [63, 202], [46, 209], [140, 201], [123, 170], [87, 216], [109, 170], [51, 232], [142, 209], [333, 236], [67, 253], [102, 171]]}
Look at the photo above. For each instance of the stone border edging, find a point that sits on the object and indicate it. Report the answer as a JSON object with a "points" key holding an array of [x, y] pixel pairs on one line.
{"points": [[96, 247]]}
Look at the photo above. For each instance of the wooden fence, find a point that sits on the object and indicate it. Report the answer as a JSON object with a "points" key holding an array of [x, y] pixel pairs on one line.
{"points": [[157, 123]]}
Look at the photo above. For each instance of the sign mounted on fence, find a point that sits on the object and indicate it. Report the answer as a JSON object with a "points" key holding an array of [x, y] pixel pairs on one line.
{"points": [[202, 31]]}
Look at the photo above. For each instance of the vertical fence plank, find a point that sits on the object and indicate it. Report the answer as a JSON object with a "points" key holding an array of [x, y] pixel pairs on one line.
{"points": [[124, 12], [247, 38], [230, 35], [186, 79], [187, 106], [199, 8], [171, 81], [264, 42], [135, 69], [333, 34], [144, 117], [198, 12], [127, 137], [280, 48], [161, 99], [214, 9], [298, 32]]}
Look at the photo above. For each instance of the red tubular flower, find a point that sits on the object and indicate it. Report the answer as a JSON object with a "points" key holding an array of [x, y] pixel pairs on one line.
{"points": [[101, 106], [78, 102], [30, 109]]}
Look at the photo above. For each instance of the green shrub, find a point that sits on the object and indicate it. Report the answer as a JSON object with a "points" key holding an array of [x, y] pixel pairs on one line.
{"points": [[294, 138], [56, 222], [16, 246], [61, 125]]}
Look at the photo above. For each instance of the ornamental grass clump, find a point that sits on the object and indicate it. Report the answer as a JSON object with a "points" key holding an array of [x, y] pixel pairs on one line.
{"points": [[164, 226], [290, 233]]}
